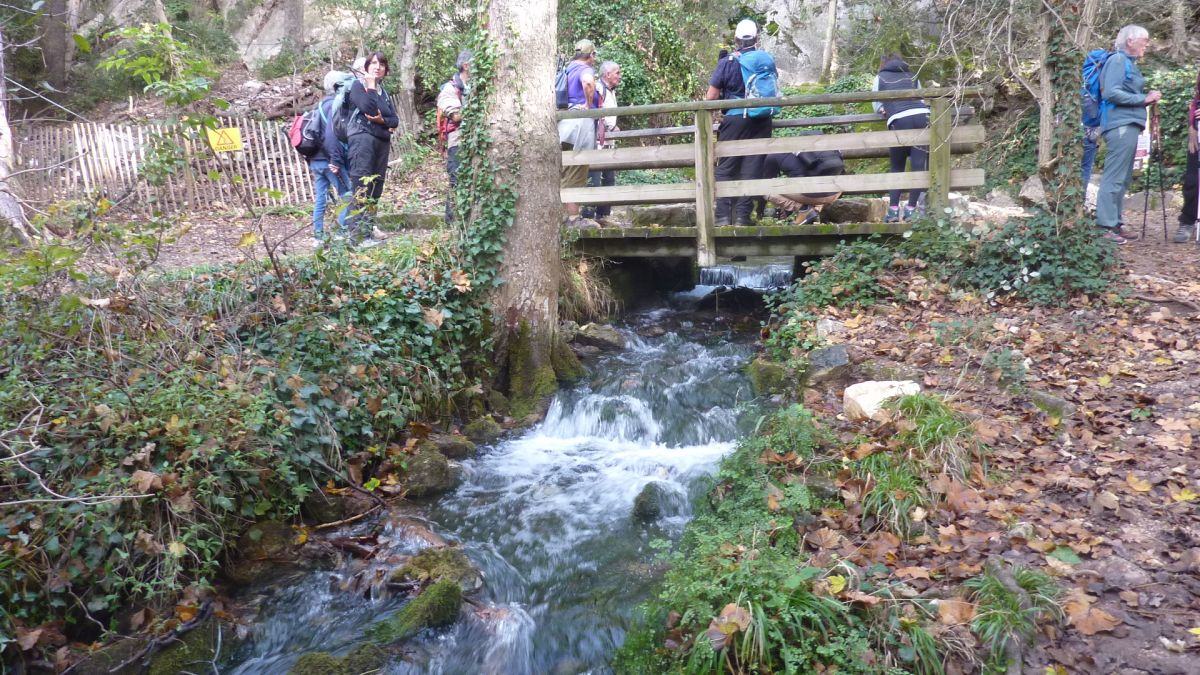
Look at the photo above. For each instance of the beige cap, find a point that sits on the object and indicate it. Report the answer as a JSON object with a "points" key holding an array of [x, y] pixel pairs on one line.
{"points": [[585, 47]]}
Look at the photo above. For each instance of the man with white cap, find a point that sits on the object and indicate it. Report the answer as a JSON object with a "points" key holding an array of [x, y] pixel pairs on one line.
{"points": [[728, 82], [579, 134]]}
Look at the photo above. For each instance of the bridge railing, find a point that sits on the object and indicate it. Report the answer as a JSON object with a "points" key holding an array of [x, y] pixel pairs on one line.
{"points": [[946, 135]]}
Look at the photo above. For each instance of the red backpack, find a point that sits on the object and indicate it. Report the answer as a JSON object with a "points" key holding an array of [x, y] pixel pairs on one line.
{"points": [[305, 133]]}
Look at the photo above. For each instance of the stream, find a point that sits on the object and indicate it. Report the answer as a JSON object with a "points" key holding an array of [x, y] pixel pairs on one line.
{"points": [[546, 516]]}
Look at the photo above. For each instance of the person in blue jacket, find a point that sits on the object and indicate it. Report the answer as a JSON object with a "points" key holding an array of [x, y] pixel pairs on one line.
{"points": [[328, 165], [1123, 102], [369, 133]]}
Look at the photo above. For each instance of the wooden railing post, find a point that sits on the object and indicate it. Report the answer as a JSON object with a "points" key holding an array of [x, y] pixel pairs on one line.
{"points": [[940, 126], [706, 193]]}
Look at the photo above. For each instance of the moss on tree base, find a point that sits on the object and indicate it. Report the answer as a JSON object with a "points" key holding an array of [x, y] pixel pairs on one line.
{"points": [[531, 378]]}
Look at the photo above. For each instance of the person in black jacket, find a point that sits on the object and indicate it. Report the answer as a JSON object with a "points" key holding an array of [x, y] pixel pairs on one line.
{"points": [[369, 135], [328, 165], [895, 74]]}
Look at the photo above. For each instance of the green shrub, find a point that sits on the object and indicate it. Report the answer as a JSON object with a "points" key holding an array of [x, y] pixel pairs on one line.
{"points": [[161, 417]]}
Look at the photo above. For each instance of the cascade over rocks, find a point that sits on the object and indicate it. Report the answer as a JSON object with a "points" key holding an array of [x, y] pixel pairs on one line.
{"points": [[436, 606]]}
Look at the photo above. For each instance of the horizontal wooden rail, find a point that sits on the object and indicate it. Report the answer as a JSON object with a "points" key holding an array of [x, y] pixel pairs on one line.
{"points": [[855, 145], [962, 114], [679, 193], [805, 99]]}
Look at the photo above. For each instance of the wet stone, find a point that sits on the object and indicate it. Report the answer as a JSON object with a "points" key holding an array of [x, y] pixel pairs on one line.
{"points": [[656, 501], [600, 335]]}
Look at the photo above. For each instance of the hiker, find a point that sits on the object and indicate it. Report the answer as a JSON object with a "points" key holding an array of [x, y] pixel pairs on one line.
{"points": [[910, 113], [369, 136], [328, 165], [1123, 114], [806, 207], [610, 79], [579, 134], [1191, 174], [450, 102], [728, 82]]}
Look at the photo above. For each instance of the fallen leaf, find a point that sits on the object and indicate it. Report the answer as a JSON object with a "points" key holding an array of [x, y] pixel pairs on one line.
{"points": [[28, 639], [955, 612], [1130, 597], [433, 316], [1185, 495], [864, 598], [1108, 500], [837, 583], [248, 239], [186, 612], [145, 481], [176, 549], [1085, 618], [913, 573], [1138, 484], [1173, 424], [825, 538], [774, 494]]}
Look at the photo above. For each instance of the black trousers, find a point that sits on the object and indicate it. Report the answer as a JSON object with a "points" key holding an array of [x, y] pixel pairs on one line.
{"points": [[368, 160], [607, 178], [1190, 181], [916, 155], [740, 168]]}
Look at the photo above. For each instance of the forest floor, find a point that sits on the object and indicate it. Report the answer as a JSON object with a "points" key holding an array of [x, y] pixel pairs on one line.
{"points": [[1099, 485]]}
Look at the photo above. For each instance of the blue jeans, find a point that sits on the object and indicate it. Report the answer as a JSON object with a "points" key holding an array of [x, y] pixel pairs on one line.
{"points": [[1091, 144], [323, 181]]}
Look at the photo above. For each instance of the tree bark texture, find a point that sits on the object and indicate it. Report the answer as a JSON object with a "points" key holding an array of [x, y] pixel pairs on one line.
{"points": [[11, 212], [405, 61], [1059, 167], [830, 49], [524, 135], [56, 42], [1046, 127]]}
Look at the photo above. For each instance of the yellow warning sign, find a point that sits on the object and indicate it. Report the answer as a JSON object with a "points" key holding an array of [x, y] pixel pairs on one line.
{"points": [[225, 140]]}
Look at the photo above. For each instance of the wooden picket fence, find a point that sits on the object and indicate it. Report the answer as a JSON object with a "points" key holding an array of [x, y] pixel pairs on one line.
{"points": [[65, 161]]}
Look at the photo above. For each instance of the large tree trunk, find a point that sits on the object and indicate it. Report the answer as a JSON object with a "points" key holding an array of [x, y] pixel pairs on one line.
{"points": [[521, 120], [1046, 126], [56, 42], [1059, 167], [829, 52], [11, 213], [406, 68], [1180, 13]]}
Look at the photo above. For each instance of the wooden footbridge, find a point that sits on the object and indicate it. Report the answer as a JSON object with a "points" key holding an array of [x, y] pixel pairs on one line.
{"points": [[947, 135]]}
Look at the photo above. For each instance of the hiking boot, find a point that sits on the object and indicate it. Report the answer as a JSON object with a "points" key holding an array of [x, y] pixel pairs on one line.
{"points": [[1184, 234], [1126, 234], [1113, 234], [912, 213], [893, 215]]}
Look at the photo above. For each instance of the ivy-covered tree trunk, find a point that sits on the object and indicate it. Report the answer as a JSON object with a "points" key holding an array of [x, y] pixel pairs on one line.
{"points": [[405, 62], [508, 190], [1060, 162]]}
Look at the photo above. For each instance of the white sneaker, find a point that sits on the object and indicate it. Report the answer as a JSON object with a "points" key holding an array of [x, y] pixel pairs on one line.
{"points": [[369, 242]]}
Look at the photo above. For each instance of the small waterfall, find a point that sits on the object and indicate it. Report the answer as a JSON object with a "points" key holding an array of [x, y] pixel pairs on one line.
{"points": [[759, 277], [547, 519]]}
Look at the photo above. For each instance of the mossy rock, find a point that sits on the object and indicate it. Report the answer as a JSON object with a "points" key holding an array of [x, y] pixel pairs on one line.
{"points": [[436, 606], [657, 500], [438, 563], [429, 474], [103, 662], [566, 364], [365, 658], [325, 507], [196, 645], [318, 663], [260, 550], [483, 430], [497, 402], [767, 377], [453, 446]]}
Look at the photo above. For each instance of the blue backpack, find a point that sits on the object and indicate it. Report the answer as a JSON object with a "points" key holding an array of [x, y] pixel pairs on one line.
{"points": [[1095, 108], [761, 79]]}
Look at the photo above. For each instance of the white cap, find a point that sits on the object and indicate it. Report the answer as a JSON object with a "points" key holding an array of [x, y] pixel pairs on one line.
{"points": [[745, 29]]}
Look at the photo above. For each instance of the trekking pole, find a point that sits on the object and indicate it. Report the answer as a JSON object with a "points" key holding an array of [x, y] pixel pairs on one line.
{"points": [[1156, 140], [1146, 184]]}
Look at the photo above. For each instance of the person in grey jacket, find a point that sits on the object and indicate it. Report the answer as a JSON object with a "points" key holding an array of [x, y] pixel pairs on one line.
{"points": [[1123, 104]]}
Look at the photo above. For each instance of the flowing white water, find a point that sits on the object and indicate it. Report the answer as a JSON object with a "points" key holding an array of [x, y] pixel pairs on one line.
{"points": [[547, 517]]}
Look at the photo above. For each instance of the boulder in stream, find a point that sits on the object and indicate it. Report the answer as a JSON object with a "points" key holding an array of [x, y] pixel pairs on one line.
{"points": [[602, 336], [656, 501], [429, 474], [436, 606], [317, 663], [453, 446], [437, 563], [327, 507], [366, 658], [483, 430]]}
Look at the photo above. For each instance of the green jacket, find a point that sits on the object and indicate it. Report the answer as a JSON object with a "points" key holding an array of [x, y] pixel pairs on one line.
{"points": [[1123, 88]]}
